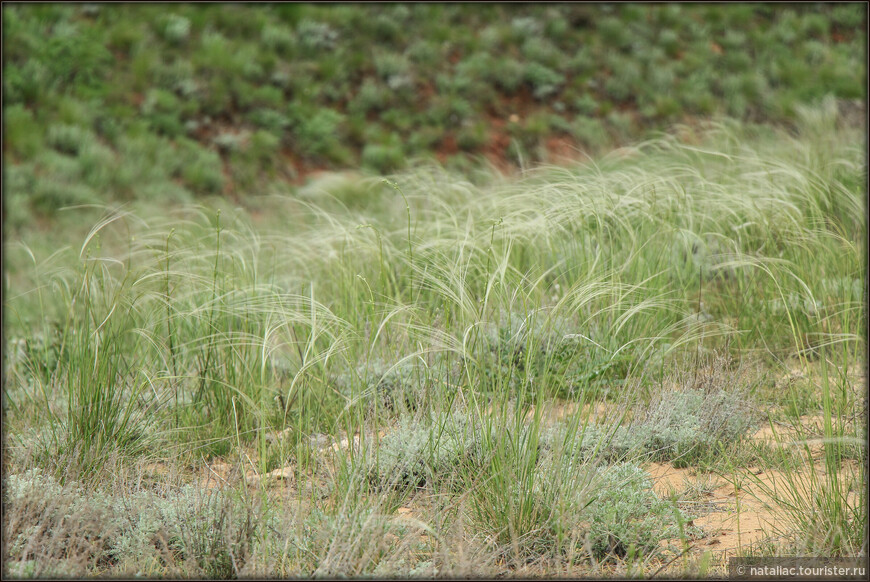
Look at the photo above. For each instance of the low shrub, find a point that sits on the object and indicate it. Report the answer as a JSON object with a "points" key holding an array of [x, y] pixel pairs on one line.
{"points": [[68, 530], [628, 519], [384, 158], [22, 132], [687, 427], [68, 139], [203, 171], [545, 82], [439, 450], [175, 29]]}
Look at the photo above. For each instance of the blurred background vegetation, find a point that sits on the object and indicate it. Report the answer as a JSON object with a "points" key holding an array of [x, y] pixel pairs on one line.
{"points": [[167, 103]]}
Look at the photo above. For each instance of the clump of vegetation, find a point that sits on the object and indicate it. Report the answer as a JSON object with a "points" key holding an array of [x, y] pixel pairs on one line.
{"points": [[81, 531], [627, 518], [690, 425], [419, 452], [550, 349], [395, 388], [573, 508]]}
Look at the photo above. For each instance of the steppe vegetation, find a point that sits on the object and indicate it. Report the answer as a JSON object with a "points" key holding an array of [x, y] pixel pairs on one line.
{"points": [[640, 362]]}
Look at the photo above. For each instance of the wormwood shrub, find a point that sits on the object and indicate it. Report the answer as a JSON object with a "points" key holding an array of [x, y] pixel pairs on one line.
{"points": [[209, 532], [686, 427], [421, 452], [627, 516], [589, 443], [67, 530], [52, 530], [361, 540]]}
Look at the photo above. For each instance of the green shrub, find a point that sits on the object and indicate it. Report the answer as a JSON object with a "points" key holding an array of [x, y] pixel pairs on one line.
{"points": [[511, 74], [164, 193], [544, 81], [175, 29], [624, 80], [667, 107], [19, 182], [661, 80], [207, 529], [317, 134], [479, 65], [265, 145], [590, 131], [384, 158], [524, 27], [50, 195], [614, 32], [849, 16], [627, 518], [161, 109], [622, 123], [394, 70], [371, 96], [816, 25], [23, 133], [26, 83], [76, 56], [397, 119], [231, 142], [269, 120], [786, 29], [582, 62], [557, 27], [686, 426], [267, 97], [395, 388], [586, 105], [217, 97], [425, 138], [202, 171], [249, 62], [68, 139], [125, 37], [97, 163], [491, 37], [542, 51], [278, 38], [315, 36], [472, 136], [424, 52], [517, 350], [387, 29], [669, 40], [52, 525], [736, 61], [695, 93]]}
